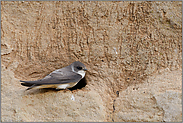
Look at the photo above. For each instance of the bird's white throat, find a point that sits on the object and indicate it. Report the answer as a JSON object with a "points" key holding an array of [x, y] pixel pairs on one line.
{"points": [[82, 73]]}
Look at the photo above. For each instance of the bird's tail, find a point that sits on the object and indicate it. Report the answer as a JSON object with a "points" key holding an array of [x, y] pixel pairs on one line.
{"points": [[27, 84]]}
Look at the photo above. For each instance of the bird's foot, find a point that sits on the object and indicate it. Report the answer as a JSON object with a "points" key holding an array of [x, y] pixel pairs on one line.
{"points": [[67, 90]]}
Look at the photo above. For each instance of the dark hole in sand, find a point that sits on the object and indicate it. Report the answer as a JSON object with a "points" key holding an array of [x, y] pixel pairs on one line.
{"points": [[81, 84]]}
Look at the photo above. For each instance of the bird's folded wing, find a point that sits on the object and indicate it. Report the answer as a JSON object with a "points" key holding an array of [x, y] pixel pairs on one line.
{"points": [[57, 78]]}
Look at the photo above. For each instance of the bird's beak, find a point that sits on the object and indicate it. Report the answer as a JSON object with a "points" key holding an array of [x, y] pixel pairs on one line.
{"points": [[85, 69]]}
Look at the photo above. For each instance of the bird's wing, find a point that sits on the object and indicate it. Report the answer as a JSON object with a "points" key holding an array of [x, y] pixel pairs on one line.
{"points": [[59, 76]]}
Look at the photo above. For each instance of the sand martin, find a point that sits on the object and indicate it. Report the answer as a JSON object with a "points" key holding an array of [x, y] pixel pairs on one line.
{"points": [[63, 78]]}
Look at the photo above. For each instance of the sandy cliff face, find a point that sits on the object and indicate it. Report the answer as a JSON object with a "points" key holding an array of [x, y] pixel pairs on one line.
{"points": [[132, 50]]}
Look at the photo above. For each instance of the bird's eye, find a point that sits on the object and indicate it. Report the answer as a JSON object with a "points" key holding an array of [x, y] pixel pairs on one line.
{"points": [[79, 68]]}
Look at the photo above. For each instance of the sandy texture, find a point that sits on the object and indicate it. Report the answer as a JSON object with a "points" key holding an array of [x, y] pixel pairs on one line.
{"points": [[122, 44], [157, 99]]}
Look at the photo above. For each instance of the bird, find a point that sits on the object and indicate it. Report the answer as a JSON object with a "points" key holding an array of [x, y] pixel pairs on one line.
{"points": [[64, 78]]}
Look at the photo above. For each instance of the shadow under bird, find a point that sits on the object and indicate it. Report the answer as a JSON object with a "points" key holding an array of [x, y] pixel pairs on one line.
{"points": [[63, 78]]}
